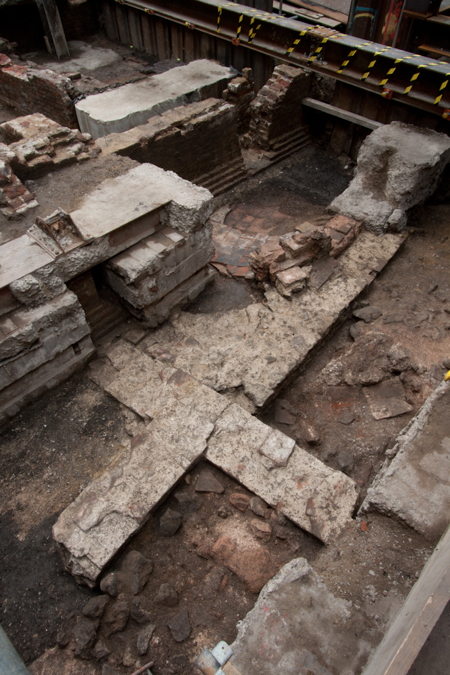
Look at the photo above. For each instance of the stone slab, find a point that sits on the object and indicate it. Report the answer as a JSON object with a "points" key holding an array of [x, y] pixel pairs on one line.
{"points": [[43, 378], [182, 295], [143, 189], [267, 341], [131, 104], [115, 505], [402, 165], [20, 257], [315, 497], [387, 399], [298, 626], [187, 420], [415, 485]]}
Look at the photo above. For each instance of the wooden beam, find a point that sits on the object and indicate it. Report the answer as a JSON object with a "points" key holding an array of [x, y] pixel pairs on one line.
{"points": [[346, 115], [413, 624], [53, 26]]}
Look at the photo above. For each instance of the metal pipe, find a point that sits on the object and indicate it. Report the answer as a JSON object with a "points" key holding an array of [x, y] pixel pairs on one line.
{"points": [[410, 78], [10, 661]]}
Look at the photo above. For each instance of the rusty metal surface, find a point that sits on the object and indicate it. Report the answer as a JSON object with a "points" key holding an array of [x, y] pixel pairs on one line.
{"points": [[392, 73]]}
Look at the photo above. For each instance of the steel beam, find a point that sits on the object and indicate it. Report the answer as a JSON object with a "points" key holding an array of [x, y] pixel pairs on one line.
{"points": [[392, 73]]}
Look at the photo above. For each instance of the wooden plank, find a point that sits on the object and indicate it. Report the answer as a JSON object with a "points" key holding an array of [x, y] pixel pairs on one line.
{"points": [[135, 30], [52, 21], [109, 22], [434, 50], [346, 115], [147, 34], [338, 16], [413, 624], [122, 24], [307, 15]]}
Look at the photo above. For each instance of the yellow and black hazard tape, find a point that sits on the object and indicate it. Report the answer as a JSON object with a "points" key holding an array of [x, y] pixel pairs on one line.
{"points": [[297, 41], [414, 77], [317, 52], [372, 63], [345, 63], [253, 30], [219, 18], [239, 28], [442, 88]]}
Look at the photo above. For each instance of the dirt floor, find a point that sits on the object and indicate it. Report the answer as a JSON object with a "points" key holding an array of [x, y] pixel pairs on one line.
{"points": [[54, 447]]}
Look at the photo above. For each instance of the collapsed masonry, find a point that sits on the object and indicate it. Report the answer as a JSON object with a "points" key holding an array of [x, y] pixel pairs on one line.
{"points": [[45, 334], [30, 147]]}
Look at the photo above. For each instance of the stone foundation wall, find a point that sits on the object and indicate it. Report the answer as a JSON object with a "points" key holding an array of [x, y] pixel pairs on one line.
{"points": [[153, 216], [27, 89], [198, 141]]}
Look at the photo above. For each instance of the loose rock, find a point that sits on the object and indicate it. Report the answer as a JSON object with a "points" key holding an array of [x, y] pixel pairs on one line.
{"points": [[110, 584], [95, 607], [310, 434], [84, 635], [143, 639], [207, 482], [249, 560], [261, 529], [367, 314], [136, 570], [170, 522], [180, 626], [167, 596], [239, 501], [100, 650], [138, 613], [116, 615], [259, 507]]}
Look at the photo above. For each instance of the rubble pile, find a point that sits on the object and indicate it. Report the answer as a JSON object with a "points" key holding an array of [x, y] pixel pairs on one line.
{"points": [[41, 145], [308, 253]]}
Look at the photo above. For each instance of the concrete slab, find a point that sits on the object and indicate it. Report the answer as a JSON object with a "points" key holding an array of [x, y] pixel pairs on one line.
{"points": [[415, 485], [298, 626], [84, 57], [19, 257], [132, 104], [143, 189]]}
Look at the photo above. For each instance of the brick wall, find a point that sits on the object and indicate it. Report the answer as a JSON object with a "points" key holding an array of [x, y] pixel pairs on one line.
{"points": [[198, 141], [277, 109], [28, 89]]}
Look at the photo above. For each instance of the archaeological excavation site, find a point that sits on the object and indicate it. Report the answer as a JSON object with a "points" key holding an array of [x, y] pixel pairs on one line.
{"points": [[224, 337]]}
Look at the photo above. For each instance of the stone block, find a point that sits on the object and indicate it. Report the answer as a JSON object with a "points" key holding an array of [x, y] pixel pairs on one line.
{"points": [[315, 497], [132, 104], [160, 269], [115, 505], [399, 166], [414, 485], [182, 295], [298, 626], [47, 376]]}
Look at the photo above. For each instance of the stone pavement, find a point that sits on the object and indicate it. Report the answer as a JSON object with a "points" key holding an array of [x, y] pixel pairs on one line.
{"points": [[188, 421], [415, 485], [266, 341]]}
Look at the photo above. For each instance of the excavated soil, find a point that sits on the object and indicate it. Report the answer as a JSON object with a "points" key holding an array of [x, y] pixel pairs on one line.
{"points": [[54, 447]]}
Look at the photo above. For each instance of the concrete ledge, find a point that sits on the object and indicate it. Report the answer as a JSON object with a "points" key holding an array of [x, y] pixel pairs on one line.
{"points": [[132, 104]]}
